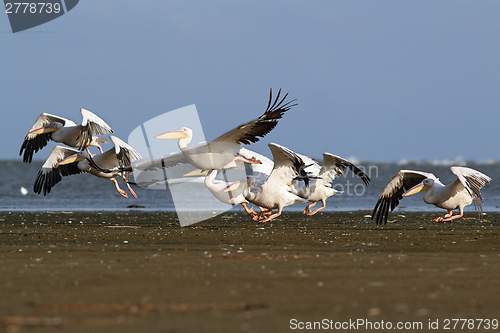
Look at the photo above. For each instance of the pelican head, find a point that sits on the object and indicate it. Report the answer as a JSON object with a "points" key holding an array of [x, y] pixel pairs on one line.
{"points": [[425, 185], [181, 133], [52, 127], [80, 156]]}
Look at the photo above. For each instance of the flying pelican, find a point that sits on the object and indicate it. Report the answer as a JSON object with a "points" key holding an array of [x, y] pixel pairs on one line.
{"points": [[49, 127], [457, 195], [259, 171], [322, 177], [222, 153], [275, 193], [65, 161]]}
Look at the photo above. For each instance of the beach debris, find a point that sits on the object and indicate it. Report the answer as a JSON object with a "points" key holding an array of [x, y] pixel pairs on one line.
{"points": [[374, 311], [136, 206]]}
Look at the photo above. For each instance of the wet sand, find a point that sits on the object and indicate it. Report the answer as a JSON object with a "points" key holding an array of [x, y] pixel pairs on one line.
{"points": [[141, 272]]}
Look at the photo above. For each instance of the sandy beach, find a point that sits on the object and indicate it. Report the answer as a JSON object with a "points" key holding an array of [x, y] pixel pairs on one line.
{"points": [[141, 272]]}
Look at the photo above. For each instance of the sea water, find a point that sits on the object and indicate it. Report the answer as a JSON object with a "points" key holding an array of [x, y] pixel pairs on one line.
{"points": [[87, 192]]}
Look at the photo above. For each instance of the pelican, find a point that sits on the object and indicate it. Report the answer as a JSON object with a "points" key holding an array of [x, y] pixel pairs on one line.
{"points": [[320, 188], [217, 187], [457, 195], [49, 127], [222, 153], [65, 161], [259, 171], [275, 193]]}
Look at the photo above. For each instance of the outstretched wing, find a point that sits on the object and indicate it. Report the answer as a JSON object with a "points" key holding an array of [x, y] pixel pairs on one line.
{"points": [[287, 165], [258, 128], [393, 192], [312, 167], [338, 165], [51, 173], [34, 142], [472, 180], [92, 126], [168, 161], [125, 154]]}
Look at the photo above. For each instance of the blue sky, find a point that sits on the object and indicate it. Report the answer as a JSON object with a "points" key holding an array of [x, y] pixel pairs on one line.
{"points": [[378, 80]]}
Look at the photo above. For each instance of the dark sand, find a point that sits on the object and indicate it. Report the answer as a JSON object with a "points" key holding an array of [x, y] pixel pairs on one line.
{"points": [[141, 272]]}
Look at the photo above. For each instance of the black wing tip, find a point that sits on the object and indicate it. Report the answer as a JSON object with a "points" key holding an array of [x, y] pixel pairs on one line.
{"points": [[277, 106], [45, 181], [381, 211], [32, 146]]}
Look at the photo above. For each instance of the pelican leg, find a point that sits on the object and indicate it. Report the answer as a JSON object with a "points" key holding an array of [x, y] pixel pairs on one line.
{"points": [[444, 217], [249, 211], [130, 189], [451, 218], [272, 216], [98, 146], [317, 210], [252, 160], [307, 210], [263, 209], [261, 215], [122, 192], [264, 212]]}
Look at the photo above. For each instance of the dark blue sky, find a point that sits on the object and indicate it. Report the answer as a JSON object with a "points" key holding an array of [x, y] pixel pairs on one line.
{"points": [[378, 80]]}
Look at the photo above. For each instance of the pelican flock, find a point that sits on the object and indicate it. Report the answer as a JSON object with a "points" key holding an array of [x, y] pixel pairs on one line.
{"points": [[320, 188], [218, 187], [66, 161], [296, 178], [271, 185], [275, 192]]}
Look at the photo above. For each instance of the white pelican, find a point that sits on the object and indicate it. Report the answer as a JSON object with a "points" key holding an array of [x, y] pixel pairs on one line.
{"points": [[457, 195], [275, 193], [222, 153], [49, 127], [322, 177], [67, 161], [217, 187], [259, 171]]}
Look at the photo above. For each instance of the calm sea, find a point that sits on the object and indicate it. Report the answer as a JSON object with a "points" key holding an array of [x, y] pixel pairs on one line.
{"points": [[86, 192]]}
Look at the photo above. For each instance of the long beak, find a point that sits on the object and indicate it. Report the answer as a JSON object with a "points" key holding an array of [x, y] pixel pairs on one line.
{"points": [[414, 189], [46, 129], [197, 172], [177, 134], [292, 182], [71, 159], [236, 185]]}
